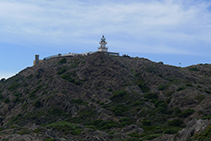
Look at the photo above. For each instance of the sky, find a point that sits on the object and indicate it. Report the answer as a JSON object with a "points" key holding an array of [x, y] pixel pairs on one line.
{"points": [[175, 32]]}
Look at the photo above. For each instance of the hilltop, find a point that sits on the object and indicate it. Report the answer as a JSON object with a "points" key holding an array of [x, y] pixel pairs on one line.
{"points": [[103, 97]]}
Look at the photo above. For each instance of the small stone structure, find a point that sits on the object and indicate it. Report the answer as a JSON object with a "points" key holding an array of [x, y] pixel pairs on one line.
{"points": [[37, 60]]}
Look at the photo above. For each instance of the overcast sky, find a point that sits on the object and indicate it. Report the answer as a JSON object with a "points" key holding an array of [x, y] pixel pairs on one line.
{"points": [[172, 31]]}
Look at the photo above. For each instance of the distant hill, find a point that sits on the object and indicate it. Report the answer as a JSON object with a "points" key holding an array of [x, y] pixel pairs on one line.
{"points": [[101, 97]]}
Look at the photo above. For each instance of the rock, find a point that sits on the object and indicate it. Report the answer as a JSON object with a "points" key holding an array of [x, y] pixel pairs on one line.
{"points": [[16, 137], [194, 127], [164, 138], [132, 128]]}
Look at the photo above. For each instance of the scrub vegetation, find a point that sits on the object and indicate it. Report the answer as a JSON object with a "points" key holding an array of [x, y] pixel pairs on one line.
{"points": [[107, 98]]}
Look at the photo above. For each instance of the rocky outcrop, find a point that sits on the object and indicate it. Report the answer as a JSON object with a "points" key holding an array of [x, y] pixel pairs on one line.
{"points": [[193, 127]]}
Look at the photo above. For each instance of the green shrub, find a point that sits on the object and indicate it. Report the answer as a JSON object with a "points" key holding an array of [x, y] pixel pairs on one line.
{"points": [[150, 96], [62, 70], [141, 84], [2, 80], [177, 112], [62, 125], [125, 121], [151, 136], [168, 100], [1, 96], [96, 122], [206, 117], [199, 86], [37, 104], [77, 83], [84, 116], [150, 69], [134, 134], [169, 93], [50, 139], [187, 113], [199, 98], [103, 125], [35, 115], [132, 139], [101, 103], [18, 100], [25, 105], [180, 89], [39, 87], [32, 95], [194, 69], [78, 102], [12, 127], [146, 122], [68, 78], [17, 94], [118, 96], [24, 131], [143, 113], [76, 132], [75, 120], [144, 88], [162, 110], [208, 92], [160, 103], [137, 103], [75, 64], [170, 131], [175, 122], [2, 128], [56, 111], [16, 118], [29, 77], [161, 106], [13, 87], [63, 61], [119, 110], [87, 113], [38, 130], [189, 85], [107, 125], [110, 90], [162, 87], [7, 100]]}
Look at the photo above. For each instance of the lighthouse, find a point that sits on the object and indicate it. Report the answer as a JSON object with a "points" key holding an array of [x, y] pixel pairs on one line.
{"points": [[103, 43]]}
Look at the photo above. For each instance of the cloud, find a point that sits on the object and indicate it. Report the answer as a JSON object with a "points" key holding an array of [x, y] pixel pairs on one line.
{"points": [[163, 26]]}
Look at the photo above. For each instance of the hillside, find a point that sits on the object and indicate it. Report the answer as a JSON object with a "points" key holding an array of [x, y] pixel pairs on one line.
{"points": [[101, 97]]}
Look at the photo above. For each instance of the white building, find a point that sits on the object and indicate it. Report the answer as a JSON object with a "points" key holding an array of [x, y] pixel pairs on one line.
{"points": [[103, 43], [103, 49]]}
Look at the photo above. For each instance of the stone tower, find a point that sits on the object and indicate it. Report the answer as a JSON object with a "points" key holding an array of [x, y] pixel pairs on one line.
{"points": [[36, 59], [103, 43]]}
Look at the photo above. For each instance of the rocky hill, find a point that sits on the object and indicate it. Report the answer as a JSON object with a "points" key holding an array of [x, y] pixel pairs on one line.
{"points": [[101, 97]]}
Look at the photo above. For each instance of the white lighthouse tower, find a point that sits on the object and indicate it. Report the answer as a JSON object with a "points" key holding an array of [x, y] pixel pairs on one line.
{"points": [[103, 43]]}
